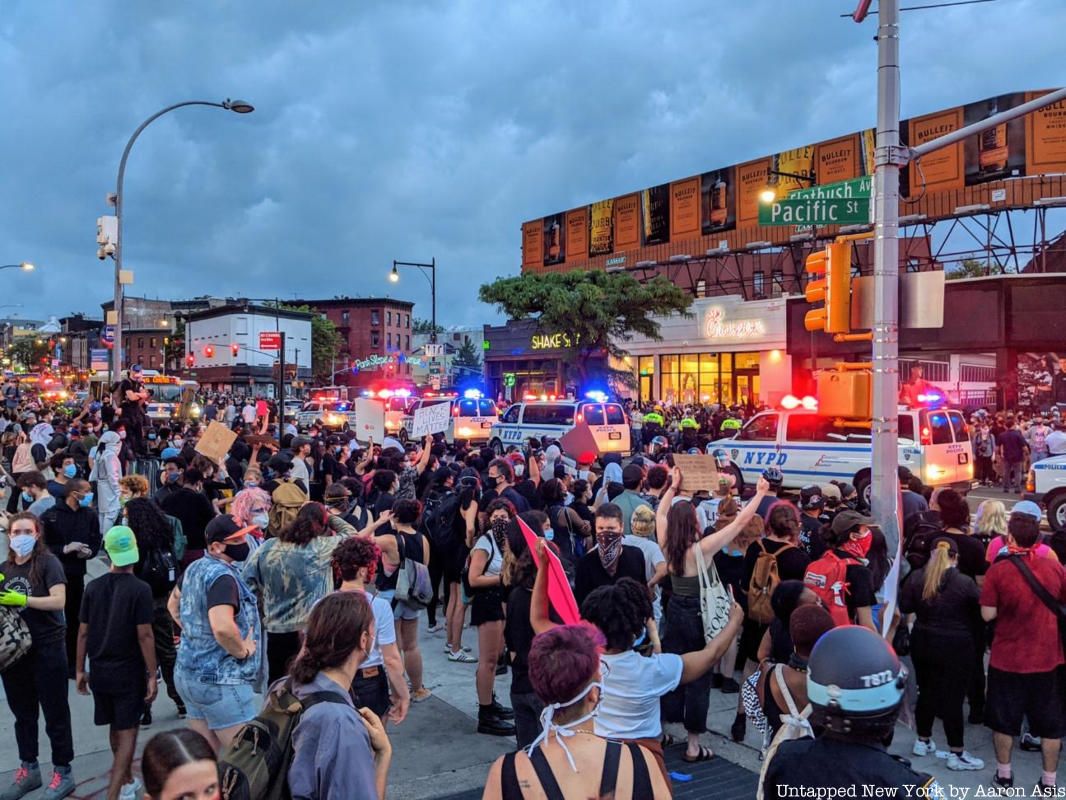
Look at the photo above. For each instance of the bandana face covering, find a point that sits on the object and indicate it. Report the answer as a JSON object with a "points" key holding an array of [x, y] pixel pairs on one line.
{"points": [[859, 547], [563, 732], [610, 548], [499, 532]]}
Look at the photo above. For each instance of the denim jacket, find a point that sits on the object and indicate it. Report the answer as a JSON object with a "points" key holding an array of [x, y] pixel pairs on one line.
{"points": [[199, 655]]}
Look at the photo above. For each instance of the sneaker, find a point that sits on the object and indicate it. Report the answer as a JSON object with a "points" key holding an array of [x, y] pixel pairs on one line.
{"points": [[964, 761], [62, 784], [146, 717], [494, 726], [1043, 790], [464, 648], [435, 628], [1030, 743], [27, 778], [131, 790], [182, 711], [921, 748], [462, 657], [1002, 785]]}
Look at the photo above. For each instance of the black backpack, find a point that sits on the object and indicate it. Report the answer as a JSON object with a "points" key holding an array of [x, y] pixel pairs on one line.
{"points": [[159, 569], [438, 518], [919, 533]]}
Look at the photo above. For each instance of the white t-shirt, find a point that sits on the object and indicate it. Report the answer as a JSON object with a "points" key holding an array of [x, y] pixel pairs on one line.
{"points": [[248, 413], [299, 471], [384, 627], [631, 692], [653, 554], [486, 543]]}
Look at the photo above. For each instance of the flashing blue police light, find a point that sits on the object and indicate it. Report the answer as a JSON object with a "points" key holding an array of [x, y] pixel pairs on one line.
{"points": [[596, 396], [931, 399], [472, 394]]}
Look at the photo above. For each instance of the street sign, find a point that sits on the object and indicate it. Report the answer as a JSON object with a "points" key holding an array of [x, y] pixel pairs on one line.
{"points": [[815, 211], [109, 333], [269, 340], [850, 189], [509, 379], [434, 350]]}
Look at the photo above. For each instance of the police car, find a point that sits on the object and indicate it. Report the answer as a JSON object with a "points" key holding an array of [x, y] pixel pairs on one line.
{"points": [[555, 418], [332, 415], [934, 444], [1046, 485], [472, 416]]}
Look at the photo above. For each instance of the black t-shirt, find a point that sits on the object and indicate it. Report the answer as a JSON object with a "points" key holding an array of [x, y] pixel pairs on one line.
{"points": [[130, 407], [791, 564], [222, 592], [46, 627], [860, 592], [590, 574], [113, 606], [194, 510], [518, 501], [955, 610], [811, 539], [971, 554]]}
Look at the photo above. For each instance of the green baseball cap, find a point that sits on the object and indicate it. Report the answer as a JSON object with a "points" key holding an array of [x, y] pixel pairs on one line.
{"points": [[121, 546]]}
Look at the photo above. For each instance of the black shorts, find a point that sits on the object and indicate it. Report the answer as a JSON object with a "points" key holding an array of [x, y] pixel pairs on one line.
{"points": [[122, 711], [486, 606], [371, 689], [1036, 695], [454, 564]]}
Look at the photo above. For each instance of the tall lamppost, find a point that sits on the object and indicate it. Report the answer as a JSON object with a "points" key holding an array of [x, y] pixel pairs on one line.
{"points": [[25, 266], [236, 106], [430, 271]]}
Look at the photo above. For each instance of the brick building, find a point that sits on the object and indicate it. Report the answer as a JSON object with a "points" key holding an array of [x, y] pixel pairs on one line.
{"points": [[375, 336]]}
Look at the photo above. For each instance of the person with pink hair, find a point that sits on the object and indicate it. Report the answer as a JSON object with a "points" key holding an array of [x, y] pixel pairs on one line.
{"points": [[252, 507]]}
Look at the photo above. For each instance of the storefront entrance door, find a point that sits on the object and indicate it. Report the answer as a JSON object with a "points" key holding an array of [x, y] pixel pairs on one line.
{"points": [[747, 387]]}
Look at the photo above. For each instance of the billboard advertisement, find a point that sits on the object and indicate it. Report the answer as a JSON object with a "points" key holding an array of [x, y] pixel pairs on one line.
{"points": [[723, 203]]}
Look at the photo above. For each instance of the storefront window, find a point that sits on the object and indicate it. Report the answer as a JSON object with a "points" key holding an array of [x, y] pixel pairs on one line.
{"points": [[646, 376], [670, 387], [709, 377], [691, 378]]}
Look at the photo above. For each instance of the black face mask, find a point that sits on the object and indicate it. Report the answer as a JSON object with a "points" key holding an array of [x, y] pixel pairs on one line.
{"points": [[491, 482], [238, 552]]}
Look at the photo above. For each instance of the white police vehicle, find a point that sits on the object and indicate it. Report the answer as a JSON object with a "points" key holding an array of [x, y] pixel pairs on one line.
{"points": [[554, 419], [331, 415], [934, 444], [1046, 485], [472, 417]]}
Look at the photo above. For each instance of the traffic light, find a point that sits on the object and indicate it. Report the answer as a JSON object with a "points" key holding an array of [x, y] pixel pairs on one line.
{"points": [[234, 349], [834, 289], [209, 351], [190, 361]]}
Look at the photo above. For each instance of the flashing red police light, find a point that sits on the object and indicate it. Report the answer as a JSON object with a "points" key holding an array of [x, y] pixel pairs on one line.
{"points": [[234, 349], [190, 360], [790, 403], [209, 351]]}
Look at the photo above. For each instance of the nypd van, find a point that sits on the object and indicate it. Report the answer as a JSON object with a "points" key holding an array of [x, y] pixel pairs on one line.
{"points": [[1046, 485], [934, 444], [472, 417], [555, 418]]}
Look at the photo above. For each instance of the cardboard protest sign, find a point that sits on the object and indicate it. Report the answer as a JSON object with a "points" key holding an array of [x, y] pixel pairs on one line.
{"points": [[698, 472], [216, 442], [369, 420], [579, 440], [431, 419]]}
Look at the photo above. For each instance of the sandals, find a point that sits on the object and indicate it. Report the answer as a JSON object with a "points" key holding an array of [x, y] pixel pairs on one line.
{"points": [[705, 754], [668, 740]]}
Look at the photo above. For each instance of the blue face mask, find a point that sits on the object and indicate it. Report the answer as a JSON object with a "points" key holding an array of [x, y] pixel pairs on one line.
{"points": [[27, 497], [86, 501], [549, 535], [70, 471], [172, 477]]}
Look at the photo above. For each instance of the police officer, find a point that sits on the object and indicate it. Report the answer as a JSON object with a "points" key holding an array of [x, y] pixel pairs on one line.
{"points": [[133, 397], [690, 434], [855, 687]]}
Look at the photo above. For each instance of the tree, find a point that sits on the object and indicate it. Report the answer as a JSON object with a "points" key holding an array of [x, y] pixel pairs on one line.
{"points": [[597, 311], [325, 343], [972, 268], [28, 352], [424, 326], [174, 349], [466, 360]]}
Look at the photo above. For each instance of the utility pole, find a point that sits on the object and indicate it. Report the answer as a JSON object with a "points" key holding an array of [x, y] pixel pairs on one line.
{"points": [[281, 373]]}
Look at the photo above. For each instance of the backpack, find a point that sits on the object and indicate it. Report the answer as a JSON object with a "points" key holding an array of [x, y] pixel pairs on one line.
{"points": [[827, 578], [438, 518], [918, 537], [256, 764], [764, 579], [286, 502], [159, 570]]}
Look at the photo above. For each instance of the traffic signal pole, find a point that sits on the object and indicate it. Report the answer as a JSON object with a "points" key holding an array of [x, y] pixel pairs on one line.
{"points": [[889, 156]]}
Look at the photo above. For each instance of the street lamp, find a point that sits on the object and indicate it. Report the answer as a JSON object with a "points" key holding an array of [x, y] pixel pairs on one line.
{"points": [[430, 271], [25, 266], [237, 107]]}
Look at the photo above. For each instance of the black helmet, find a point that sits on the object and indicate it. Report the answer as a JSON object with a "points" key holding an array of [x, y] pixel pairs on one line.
{"points": [[855, 682], [660, 443], [721, 458], [811, 498], [773, 477]]}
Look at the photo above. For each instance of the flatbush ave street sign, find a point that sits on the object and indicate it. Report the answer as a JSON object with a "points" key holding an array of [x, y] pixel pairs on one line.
{"points": [[812, 211]]}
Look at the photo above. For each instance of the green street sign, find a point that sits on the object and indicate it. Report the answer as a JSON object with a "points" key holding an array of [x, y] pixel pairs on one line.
{"points": [[811, 211], [844, 190], [509, 379]]}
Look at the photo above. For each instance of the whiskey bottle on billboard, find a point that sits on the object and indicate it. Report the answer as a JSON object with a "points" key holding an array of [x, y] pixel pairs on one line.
{"points": [[554, 242], [992, 145], [654, 205], [719, 211]]}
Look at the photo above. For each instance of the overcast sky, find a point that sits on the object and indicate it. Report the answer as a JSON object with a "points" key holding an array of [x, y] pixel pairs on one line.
{"points": [[417, 129]]}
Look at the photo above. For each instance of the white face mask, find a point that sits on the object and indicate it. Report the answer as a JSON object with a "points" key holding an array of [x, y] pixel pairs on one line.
{"points": [[121, 434]]}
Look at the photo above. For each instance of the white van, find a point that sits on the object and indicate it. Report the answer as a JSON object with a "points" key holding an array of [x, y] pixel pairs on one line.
{"points": [[472, 418], [556, 418], [934, 444], [1046, 485]]}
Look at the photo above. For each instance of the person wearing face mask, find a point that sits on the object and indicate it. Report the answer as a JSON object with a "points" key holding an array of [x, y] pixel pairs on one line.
{"points": [[107, 474], [499, 483], [291, 573], [190, 506], [566, 673], [219, 660], [842, 578], [34, 584], [63, 469], [35, 494], [611, 559], [169, 477], [72, 532]]}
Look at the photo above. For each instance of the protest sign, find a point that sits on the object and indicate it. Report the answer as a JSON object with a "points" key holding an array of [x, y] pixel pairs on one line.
{"points": [[431, 419]]}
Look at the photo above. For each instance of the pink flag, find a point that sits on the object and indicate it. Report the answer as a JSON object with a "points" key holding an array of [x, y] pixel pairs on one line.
{"points": [[560, 597]]}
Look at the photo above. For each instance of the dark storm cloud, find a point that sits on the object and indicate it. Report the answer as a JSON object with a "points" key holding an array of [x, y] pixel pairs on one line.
{"points": [[417, 129]]}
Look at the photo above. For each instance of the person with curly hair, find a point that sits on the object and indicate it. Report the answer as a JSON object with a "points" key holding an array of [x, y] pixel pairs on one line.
{"points": [[290, 574], [355, 563]]}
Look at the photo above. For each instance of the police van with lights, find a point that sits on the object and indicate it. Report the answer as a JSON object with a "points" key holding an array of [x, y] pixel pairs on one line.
{"points": [[934, 444], [1046, 485], [471, 416], [554, 418]]}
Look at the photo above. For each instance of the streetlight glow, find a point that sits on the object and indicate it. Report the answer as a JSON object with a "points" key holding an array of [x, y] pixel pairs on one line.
{"points": [[394, 276], [767, 195], [26, 266]]}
